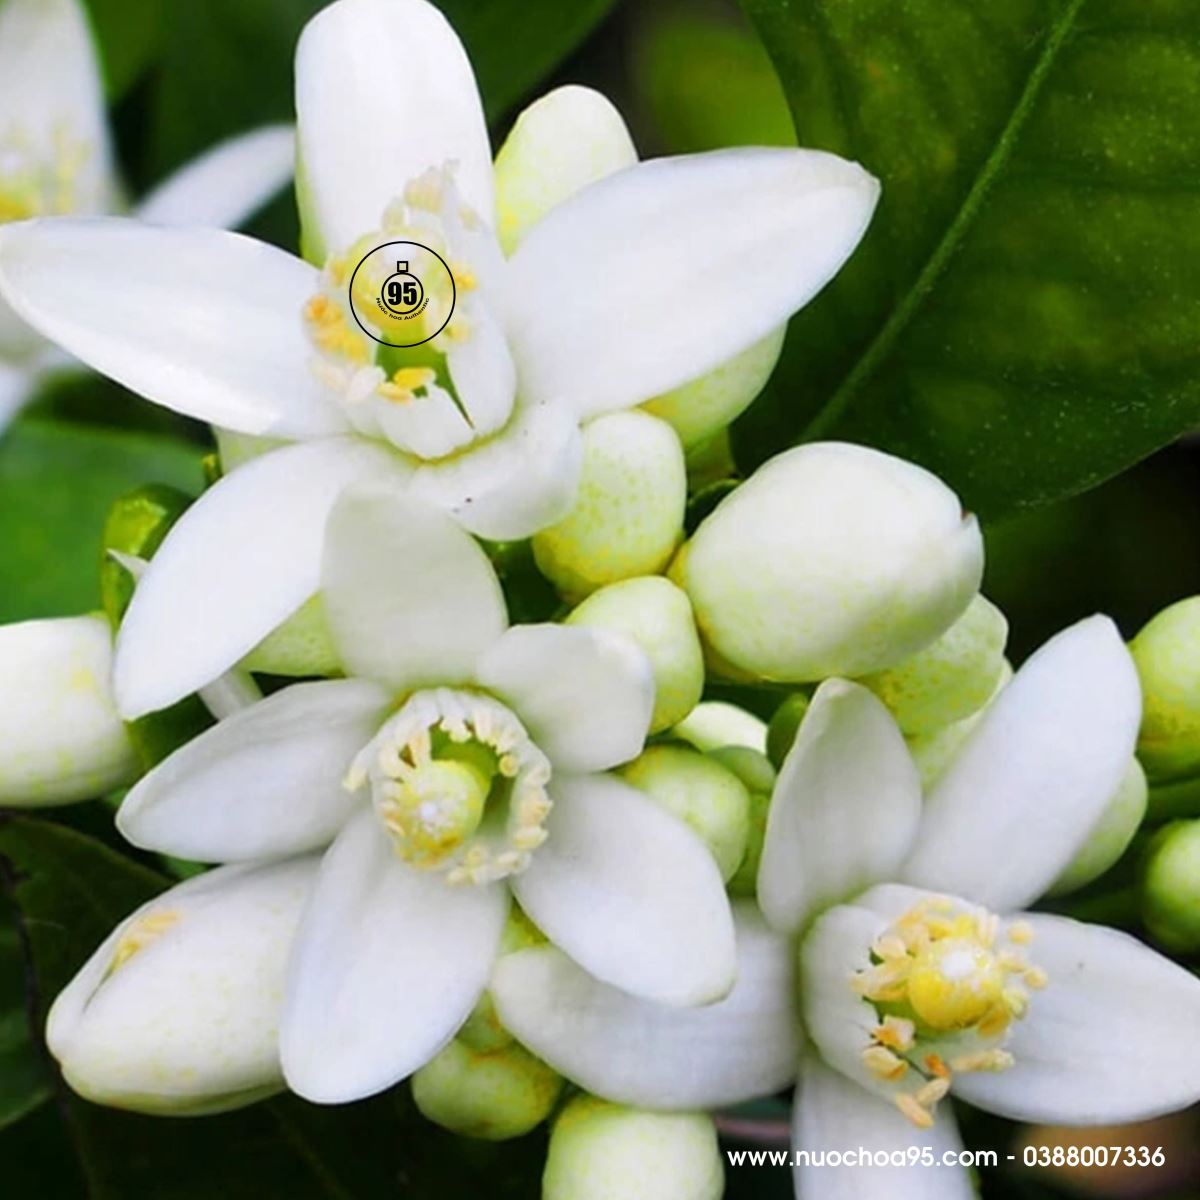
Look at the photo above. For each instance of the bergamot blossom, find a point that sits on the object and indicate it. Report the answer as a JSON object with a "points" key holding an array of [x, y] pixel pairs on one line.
{"points": [[618, 293], [918, 974], [55, 160], [461, 762]]}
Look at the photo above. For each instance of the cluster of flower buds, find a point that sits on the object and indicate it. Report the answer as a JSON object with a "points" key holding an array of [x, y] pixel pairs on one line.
{"points": [[480, 817]]}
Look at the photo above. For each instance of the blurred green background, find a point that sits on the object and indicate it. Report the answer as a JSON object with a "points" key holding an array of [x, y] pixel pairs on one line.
{"points": [[689, 75]]}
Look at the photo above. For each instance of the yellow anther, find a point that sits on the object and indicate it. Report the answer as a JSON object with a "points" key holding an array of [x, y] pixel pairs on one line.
{"points": [[464, 277], [897, 1033], [405, 383], [983, 1060], [932, 1092], [922, 1118], [936, 1066], [1035, 978], [883, 1064], [1020, 933], [332, 332]]}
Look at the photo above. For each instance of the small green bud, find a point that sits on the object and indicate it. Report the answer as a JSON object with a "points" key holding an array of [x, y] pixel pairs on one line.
{"points": [[492, 1095], [136, 524], [482, 1031], [755, 771], [708, 404], [1171, 892], [701, 792], [564, 141], [713, 724], [753, 768], [628, 515], [952, 677], [831, 559], [933, 752], [1167, 655], [783, 727], [1111, 835], [302, 645], [602, 1151], [658, 617]]}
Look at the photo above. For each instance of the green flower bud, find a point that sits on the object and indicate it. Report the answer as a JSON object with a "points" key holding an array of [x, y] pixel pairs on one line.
{"points": [[783, 727], [831, 559], [1171, 892], [482, 1030], [752, 767], [757, 773], [302, 645], [493, 1095], [933, 752], [701, 792], [1167, 655], [952, 677], [602, 1151], [1111, 835], [628, 515], [658, 617], [713, 724], [708, 404], [564, 141]]}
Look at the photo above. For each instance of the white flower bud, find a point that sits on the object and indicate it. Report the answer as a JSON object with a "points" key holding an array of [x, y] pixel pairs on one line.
{"points": [[714, 723], [658, 617], [701, 792], [60, 736], [178, 1011], [950, 678], [562, 142], [602, 1151], [1110, 836], [628, 514], [830, 560], [704, 406], [493, 1095]]}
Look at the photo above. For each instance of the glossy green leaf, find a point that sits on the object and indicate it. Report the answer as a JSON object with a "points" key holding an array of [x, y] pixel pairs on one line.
{"points": [[24, 1080], [57, 482], [70, 891], [128, 34], [1024, 316]]}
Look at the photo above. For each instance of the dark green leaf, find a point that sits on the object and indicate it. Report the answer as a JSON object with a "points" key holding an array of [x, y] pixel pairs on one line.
{"points": [[24, 1080], [1024, 316], [57, 482], [128, 33], [71, 890]]}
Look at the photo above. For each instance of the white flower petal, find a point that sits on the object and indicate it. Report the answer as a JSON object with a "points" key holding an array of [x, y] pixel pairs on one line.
{"points": [[1030, 783], [178, 1010], [240, 561], [1110, 1039], [651, 1055], [411, 598], [631, 894], [201, 321], [51, 98], [263, 783], [384, 91], [515, 483], [562, 142], [389, 962], [226, 184], [833, 1114], [622, 292], [585, 695], [844, 811], [60, 736]]}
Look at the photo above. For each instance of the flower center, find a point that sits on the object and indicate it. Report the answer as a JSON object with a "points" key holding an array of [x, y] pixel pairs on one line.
{"points": [[439, 377], [38, 180], [458, 785], [946, 985]]}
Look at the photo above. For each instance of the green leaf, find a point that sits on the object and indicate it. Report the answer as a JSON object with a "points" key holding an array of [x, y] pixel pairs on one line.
{"points": [[70, 891], [24, 1080], [1024, 316], [57, 482], [128, 33]]}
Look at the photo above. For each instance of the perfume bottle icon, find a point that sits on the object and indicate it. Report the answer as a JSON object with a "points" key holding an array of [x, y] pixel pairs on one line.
{"points": [[402, 291]]}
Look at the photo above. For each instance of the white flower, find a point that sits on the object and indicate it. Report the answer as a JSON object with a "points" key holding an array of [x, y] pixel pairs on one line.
{"points": [[915, 977], [178, 1010], [618, 294], [460, 763], [60, 736], [55, 160]]}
